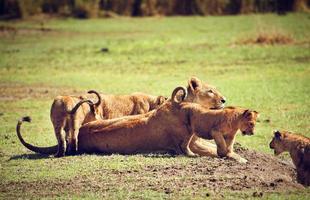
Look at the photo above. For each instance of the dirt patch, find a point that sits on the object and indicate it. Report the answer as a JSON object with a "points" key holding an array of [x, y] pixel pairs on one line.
{"points": [[4, 28], [9, 92], [200, 176], [302, 59], [40, 28], [13, 31]]}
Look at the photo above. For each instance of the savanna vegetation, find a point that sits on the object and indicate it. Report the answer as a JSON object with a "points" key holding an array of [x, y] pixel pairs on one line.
{"points": [[256, 61]]}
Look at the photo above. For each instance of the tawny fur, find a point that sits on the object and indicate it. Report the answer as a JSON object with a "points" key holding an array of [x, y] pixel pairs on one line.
{"points": [[112, 106], [298, 147], [151, 132], [66, 125], [170, 128]]}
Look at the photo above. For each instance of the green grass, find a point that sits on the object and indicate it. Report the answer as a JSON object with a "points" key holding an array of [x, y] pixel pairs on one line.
{"points": [[152, 55]]}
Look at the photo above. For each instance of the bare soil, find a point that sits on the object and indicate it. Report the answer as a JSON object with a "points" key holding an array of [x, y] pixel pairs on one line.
{"points": [[211, 176], [10, 92]]}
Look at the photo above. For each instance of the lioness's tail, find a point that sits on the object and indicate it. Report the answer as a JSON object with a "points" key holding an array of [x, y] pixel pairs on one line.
{"points": [[76, 107], [43, 150]]}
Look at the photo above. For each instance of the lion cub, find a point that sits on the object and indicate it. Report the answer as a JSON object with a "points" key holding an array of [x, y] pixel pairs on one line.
{"points": [[299, 148], [222, 126]]}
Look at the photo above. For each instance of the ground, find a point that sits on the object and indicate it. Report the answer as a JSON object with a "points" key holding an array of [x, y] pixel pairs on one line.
{"points": [[256, 61]]}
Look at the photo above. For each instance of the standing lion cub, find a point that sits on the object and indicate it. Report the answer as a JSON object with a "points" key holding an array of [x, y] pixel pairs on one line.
{"points": [[67, 118]]}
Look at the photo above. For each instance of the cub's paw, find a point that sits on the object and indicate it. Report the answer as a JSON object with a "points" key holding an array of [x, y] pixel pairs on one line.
{"points": [[237, 157], [192, 155], [242, 160]]}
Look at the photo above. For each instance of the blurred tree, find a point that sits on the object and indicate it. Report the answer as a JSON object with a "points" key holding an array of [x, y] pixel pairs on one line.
{"points": [[86, 8], [9, 9], [301, 5], [93, 8], [61, 7]]}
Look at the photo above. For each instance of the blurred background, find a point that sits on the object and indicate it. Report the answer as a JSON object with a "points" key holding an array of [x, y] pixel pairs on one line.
{"points": [[10, 9]]}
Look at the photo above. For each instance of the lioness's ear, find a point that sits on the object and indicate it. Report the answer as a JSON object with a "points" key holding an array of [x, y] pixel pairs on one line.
{"points": [[194, 83], [160, 100], [277, 134]]}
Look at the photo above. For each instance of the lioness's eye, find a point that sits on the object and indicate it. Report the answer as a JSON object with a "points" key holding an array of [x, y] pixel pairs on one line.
{"points": [[210, 91]]}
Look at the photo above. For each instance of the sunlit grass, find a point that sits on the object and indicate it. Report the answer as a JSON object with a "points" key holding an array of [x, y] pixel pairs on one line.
{"points": [[152, 55]]}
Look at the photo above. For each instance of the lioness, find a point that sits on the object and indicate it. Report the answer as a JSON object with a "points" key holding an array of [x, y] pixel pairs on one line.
{"points": [[113, 106], [67, 119], [299, 148], [169, 128]]}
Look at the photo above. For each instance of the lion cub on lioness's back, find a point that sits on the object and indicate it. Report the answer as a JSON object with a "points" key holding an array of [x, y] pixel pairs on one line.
{"points": [[299, 148]]}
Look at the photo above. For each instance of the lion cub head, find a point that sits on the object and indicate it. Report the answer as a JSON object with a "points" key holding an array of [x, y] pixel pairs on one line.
{"points": [[204, 94], [278, 143], [248, 122], [286, 141]]}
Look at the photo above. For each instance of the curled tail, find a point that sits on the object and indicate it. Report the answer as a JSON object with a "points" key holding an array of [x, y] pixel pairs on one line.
{"points": [[76, 107], [98, 96], [90, 103], [43, 150], [174, 94]]}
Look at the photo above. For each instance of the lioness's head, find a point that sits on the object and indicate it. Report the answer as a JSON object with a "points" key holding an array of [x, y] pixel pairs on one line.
{"points": [[204, 94], [248, 122], [277, 143]]}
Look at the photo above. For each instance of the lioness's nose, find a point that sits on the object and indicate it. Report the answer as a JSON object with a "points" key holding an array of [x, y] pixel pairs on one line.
{"points": [[223, 100]]}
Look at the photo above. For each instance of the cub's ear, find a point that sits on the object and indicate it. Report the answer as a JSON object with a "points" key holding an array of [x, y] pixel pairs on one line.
{"points": [[277, 134], [160, 100], [256, 113], [246, 113], [194, 83]]}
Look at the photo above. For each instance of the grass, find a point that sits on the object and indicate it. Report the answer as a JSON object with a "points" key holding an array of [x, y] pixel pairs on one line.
{"points": [[152, 55]]}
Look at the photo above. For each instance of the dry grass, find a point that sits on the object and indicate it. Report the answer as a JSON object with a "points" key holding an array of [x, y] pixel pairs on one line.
{"points": [[268, 37]]}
